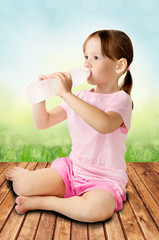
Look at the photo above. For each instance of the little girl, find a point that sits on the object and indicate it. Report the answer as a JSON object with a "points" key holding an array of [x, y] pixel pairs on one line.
{"points": [[89, 185]]}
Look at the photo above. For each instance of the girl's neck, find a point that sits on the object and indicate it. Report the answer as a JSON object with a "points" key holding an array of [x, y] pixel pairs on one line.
{"points": [[107, 89]]}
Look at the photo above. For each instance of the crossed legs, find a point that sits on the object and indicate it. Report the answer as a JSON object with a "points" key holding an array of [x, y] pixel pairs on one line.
{"points": [[45, 189], [46, 181]]}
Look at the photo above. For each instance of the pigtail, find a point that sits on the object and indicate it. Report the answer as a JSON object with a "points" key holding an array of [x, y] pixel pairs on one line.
{"points": [[127, 84]]}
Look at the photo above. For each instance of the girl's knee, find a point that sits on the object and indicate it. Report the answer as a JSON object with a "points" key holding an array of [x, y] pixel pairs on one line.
{"points": [[99, 208], [94, 212], [17, 187], [20, 186], [99, 213]]}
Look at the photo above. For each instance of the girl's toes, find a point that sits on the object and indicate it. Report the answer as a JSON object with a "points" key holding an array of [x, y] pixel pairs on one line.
{"points": [[8, 175], [19, 200], [19, 209]]}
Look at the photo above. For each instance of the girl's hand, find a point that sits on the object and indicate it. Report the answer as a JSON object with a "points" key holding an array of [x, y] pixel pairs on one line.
{"points": [[64, 83]]}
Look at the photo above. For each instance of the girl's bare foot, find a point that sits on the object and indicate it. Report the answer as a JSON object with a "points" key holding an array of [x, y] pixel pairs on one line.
{"points": [[25, 204], [14, 172]]}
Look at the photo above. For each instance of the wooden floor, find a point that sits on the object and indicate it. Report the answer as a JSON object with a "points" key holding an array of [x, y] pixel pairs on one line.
{"points": [[139, 218]]}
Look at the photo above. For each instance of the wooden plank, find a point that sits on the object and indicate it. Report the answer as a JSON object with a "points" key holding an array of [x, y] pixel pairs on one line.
{"points": [[129, 224], [79, 231], [46, 226], [137, 220], [32, 218], [144, 194], [30, 225], [96, 231], [150, 168], [144, 175], [7, 203], [4, 190], [12, 226], [113, 228], [157, 166], [8, 216], [63, 228], [144, 219], [6, 208], [49, 164], [3, 165], [31, 166]]}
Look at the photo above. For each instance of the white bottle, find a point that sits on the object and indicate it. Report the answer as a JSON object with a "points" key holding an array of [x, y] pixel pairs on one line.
{"points": [[40, 91]]}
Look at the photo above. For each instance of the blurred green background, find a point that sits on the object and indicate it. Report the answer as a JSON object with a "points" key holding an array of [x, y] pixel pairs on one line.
{"points": [[42, 37]]}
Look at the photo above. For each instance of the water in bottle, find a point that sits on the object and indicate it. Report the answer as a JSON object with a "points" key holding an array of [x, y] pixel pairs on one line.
{"points": [[44, 89]]}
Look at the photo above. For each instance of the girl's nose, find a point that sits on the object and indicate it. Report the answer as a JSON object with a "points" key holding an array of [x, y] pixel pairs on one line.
{"points": [[87, 64]]}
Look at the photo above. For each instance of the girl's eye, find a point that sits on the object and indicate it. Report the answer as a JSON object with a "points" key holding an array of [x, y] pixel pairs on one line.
{"points": [[86, 57], [96, 58]]}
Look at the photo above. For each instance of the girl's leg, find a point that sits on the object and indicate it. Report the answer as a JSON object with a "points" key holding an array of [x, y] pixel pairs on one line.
{"points": [[45, 181], [93, 206]]}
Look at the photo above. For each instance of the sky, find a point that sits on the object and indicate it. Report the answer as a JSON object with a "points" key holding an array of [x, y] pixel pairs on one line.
{"points": [[42, 37]]}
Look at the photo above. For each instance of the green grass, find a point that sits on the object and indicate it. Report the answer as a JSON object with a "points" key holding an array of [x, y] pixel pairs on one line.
{"points": [[143, 153], [27, 153], [37, 153]]}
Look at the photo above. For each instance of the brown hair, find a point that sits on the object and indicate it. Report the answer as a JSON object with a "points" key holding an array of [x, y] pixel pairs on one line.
{"points": [[116, 45]]}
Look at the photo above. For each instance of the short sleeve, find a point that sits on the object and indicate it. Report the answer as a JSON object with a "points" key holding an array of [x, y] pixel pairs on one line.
{"points": [[122, 104]]}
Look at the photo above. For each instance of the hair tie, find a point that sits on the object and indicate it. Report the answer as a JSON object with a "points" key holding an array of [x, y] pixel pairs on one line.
{"points": [[128, 69]]}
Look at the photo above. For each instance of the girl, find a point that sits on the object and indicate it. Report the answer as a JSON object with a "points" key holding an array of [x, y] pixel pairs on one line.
{"points": [[89, 185]]}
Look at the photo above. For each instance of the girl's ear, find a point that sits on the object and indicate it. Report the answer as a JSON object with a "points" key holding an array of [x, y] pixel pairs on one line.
{"points": [[121, 65]]}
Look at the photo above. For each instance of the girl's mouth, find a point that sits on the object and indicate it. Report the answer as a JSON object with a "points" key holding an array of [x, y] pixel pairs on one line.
{"points": [[90, 74]]}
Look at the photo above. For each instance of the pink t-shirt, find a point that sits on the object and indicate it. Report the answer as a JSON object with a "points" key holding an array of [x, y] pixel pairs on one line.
{"points": [[95, 155]]}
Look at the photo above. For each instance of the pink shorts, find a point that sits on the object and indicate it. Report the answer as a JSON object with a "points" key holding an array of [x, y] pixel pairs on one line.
{"points": [[76, 185]]}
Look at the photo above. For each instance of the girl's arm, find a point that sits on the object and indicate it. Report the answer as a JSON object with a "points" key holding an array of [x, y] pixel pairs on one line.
{"points": [[101, 121], [43, 119]]}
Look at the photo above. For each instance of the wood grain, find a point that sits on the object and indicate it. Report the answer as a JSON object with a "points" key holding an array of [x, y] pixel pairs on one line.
{"points": [[139, 218]]}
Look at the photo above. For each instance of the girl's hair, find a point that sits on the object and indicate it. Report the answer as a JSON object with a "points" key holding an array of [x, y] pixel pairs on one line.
{"points": [[116, 45]]}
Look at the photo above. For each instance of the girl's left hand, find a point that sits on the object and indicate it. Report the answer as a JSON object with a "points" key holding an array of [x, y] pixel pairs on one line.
{"points": [[64, 83]]}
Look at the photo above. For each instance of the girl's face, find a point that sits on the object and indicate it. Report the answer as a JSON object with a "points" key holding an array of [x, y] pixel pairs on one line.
{"points": [[102, 67]]}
